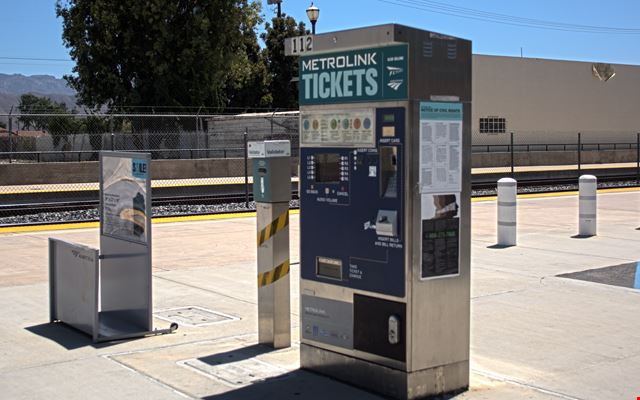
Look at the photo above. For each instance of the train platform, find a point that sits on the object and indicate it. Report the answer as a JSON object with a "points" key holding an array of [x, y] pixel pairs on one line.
{"points": [[535, 334], [35, 189]]}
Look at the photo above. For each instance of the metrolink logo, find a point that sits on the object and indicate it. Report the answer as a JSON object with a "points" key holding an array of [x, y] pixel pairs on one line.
{"points": [[394, 71], [353, 76], [395, 83]]}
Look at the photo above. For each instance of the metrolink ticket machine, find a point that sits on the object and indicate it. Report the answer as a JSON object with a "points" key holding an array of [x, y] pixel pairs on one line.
{"points": [[385, 209]]}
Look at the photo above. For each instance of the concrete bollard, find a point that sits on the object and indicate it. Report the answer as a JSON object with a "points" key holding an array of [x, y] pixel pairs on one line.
{"points": [[507, 211], [588, 205]]}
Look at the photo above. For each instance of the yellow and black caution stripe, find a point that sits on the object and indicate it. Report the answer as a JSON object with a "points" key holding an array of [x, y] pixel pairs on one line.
{"points": [[269, 277], [274, 227]]}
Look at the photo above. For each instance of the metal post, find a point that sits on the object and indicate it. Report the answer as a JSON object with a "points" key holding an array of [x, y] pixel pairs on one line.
{"points": [[246, 168], [512, 167], [113, 141], [638, 158], [579, 151], [588, 205], [10, 138], [507, 211], [272, 193]]}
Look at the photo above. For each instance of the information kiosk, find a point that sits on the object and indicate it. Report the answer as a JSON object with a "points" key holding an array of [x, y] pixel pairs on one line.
{"points": [[385, 208]]}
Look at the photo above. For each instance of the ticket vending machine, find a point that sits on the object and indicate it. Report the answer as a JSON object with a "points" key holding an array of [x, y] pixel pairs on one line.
{"points": [[385, 209]]}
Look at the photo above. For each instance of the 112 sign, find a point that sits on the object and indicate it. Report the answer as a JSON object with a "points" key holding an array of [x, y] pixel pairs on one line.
{"points": [[300, 44]]}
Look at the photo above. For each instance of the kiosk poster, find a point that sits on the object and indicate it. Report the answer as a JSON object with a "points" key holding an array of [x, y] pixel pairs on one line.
{"points": [[440, 147], [440, 235], [124, 198]]}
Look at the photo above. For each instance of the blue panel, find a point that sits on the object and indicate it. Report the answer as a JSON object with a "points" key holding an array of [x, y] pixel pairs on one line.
{"points": [[139, 168], [341, 198]]}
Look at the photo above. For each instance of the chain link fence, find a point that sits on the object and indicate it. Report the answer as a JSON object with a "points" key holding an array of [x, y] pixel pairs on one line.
{"points": [[47, 158], [32, 138]]}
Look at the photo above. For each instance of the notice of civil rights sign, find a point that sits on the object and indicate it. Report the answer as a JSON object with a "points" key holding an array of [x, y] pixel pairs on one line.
{"points": [[440, 147], [372, 74]]}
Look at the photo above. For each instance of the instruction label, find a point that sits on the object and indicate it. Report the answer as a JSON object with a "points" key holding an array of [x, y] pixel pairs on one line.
{"points": [[338, 129]]}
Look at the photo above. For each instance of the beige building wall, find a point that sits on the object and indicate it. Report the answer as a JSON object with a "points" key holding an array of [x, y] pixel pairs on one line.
{"points": [[554, 97]]}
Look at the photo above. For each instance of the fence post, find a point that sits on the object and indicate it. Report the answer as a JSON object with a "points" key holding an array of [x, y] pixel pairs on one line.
{"points": [[246, 168], [512, 162], [10, 138], [638, 158], [579, 152], [113, 141]]}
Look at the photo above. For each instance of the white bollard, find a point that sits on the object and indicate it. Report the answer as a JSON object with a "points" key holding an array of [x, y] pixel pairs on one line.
{"points": [[507, 211], [588, 205]]}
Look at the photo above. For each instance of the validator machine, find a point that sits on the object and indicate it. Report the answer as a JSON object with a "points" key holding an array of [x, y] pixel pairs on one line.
{"points": [[385, 208]]}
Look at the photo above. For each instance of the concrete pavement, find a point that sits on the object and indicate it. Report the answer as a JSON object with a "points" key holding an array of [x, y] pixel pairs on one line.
{"points": [[534, 335]]}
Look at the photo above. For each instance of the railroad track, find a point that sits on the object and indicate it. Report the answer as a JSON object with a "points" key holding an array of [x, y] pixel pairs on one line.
{"points": [[51, 207], [481, 186]]}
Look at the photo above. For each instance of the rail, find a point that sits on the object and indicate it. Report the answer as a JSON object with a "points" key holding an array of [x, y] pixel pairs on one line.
{"points": [[77, 155], [238, 152], [530, 147]]}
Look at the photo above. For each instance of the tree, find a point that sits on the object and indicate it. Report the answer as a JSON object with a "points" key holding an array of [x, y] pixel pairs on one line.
{"points": [[172, 54], [57, 122], [281, 69], [248, 86]]}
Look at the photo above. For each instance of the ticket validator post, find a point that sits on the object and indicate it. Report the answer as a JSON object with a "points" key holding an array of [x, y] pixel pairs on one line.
{"points": [[271, 166]]}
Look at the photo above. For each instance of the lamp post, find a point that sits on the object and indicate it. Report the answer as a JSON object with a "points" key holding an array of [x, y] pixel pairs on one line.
{"points": [[313, 13], [278, 3]]}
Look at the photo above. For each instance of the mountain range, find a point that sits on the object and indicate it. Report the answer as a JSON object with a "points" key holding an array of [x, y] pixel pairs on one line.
{"points": [[14, 85]]}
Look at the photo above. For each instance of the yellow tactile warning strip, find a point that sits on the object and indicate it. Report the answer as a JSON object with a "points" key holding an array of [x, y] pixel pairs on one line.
{"points": [[94, 186], [159, 220], [274, 227], [542, 168], [267, 278]]}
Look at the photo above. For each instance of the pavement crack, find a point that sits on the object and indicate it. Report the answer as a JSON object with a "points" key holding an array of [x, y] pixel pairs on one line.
{"points": [[151, 379], [205, 290], [517, 382], [50, 364], [497, 294], [212, 292]]}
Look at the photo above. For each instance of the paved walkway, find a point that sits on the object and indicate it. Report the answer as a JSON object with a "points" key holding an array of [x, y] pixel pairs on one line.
{"points": [[534, 335]]}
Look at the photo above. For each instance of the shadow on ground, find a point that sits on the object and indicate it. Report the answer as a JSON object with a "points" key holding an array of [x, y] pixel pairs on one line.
{"points": [[581, 236], [66, 336], [500, 246], [296, 385], [236, 355]]}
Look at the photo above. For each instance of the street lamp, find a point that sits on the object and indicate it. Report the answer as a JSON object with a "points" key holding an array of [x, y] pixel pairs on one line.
{"points": [[271, 2], [313, 12]]}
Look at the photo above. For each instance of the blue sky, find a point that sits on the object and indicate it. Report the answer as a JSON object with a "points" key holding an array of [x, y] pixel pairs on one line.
{"points": [[31, 29]]}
